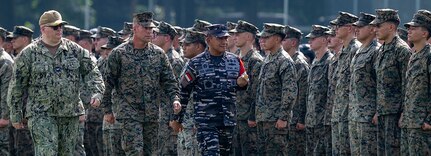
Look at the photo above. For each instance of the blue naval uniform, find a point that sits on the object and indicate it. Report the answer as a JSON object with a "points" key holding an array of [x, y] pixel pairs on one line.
{"points": [[212, 81]]}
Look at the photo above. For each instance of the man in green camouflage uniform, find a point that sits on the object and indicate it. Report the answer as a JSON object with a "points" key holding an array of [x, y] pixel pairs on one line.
{"points": [[139, 70], [111, 127], [317, 92], [276, 93], [362, 106], [246, 133], [416, 116], [340, 132], [50, 70], [23, 144], [193, 44], [390, 65], [296, 137], [165, 35], [6, 62]]}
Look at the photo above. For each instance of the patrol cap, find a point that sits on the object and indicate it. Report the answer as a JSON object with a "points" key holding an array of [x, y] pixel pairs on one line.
{"points": [[180, 31], [103, 32], [344, 18], [292, 32], [421, 19], [51, 18], [8, 37], [317, 31], [192, 36], [166, 28], [3, 33], [200, 25], [230, 25], [127, 29], [364, 19], [270, 29], [330, 32], [145, 19], [113, 41], [70, 30], [217, 30], [21, 31], [85, 34], [244, 26], [386, 15]]}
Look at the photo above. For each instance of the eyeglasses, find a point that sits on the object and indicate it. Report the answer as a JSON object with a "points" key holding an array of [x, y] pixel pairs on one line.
{"points": [[56, 27]]}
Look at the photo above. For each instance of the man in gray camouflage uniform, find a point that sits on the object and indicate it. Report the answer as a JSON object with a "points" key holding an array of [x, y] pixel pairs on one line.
{"points": [[390, 65], [416, 116], [6, 62], [362, 106]]}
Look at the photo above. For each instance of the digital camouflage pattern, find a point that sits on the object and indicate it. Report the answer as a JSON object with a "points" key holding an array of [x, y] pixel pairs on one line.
{"points": [[6, 62]]}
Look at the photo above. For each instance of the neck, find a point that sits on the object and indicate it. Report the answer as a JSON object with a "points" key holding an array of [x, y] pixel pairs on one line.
{"points": [[419, 46], [139, 44], [390, 38], [50, 42], [214, 52], [320, 52], [232, 49], [367, 41], [167, 46], [347, 40], [274, 49], [292, 51], [245, 49]]}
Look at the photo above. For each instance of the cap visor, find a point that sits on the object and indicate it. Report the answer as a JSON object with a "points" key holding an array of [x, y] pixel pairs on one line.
{"points": [[375, 22], [265, 34], [58, 22], [407, 25], [359, 24], [310, 35]]}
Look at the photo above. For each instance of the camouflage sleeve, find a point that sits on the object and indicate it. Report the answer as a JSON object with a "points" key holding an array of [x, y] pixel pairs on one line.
{"points": [[18, 85], [169, 83], [403, 59], [302, 93], [91, 75], [188, 79], [177, 66], [5, 76], [289, 90], [253, 84], [428, 119], [112, 72]]}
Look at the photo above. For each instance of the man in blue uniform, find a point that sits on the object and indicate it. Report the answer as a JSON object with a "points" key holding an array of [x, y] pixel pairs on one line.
{"points": [[212, 78]]}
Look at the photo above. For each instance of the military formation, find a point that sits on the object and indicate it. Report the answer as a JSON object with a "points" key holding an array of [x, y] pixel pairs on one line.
{"points": [[361, 86]]}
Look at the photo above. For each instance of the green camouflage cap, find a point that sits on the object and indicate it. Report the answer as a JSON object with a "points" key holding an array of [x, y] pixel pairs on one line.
{"points": [[3, 33], [8, 37], [127, 29], [402, 33], [200, 25], [386, 15], [318, 31], [145, 19], [292, 32], [85, 34], [421, 19], [103, 32], [180, 31], [364, 19], [230, 25], [330, 32], [21, 31], [270, 29], [166, 28], [344, 18], [157, 23], [244, 26], [70, 30], [113, 41], [192, 36]]}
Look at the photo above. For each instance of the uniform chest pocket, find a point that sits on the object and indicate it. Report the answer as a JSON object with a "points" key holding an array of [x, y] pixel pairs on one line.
{"points": [[41, 67], [71, 63]]}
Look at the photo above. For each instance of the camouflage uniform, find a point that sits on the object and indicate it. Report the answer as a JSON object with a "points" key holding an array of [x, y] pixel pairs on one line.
{"points": [[138, 75], [296, 138], [317, 99], [276, 94], [53, 92], [391, 65], [362, 106], [212, 81], [246, 136], [340, 132], [6, 62], [416, 108]]}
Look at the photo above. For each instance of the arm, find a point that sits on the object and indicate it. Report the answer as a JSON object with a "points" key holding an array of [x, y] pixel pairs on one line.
{"points": [[91, 75], [289, 90], [403, 60], [188, 79], [19, 83], [112, 71], [169, 83], [302, 93], [5, 77], [253, 84]]}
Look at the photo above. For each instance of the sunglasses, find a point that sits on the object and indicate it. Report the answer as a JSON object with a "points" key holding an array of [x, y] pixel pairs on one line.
{"points": [[56, 27]]}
